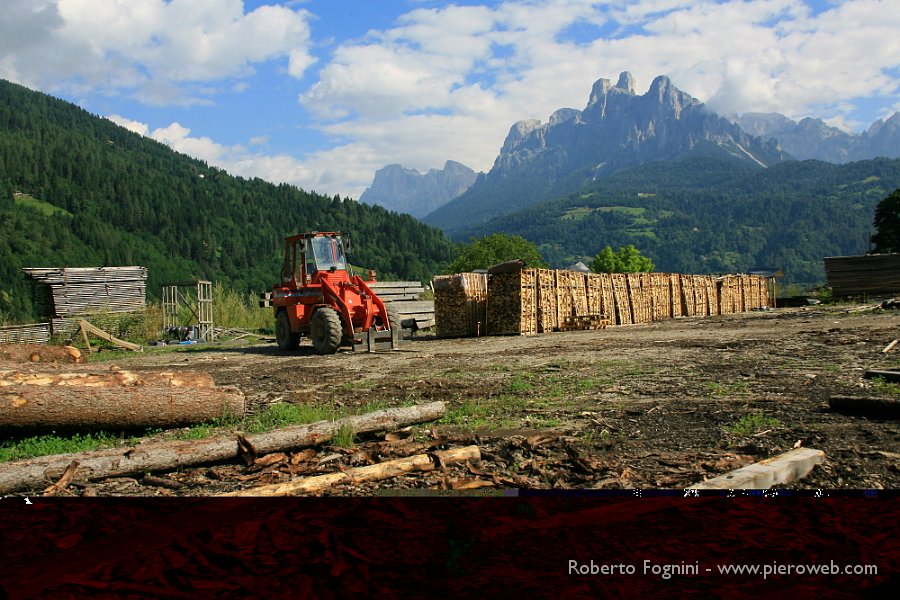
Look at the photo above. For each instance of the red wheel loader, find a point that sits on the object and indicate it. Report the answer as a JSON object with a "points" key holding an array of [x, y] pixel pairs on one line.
{"points": [[319, 298]]}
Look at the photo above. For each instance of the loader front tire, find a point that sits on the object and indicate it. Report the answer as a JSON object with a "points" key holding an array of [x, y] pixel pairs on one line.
{"points": [[284, 337], [326, 331]]}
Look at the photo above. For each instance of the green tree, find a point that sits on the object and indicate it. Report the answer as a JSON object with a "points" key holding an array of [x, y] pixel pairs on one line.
{"points": [[627, 260], [494, 249], [887, 224]]}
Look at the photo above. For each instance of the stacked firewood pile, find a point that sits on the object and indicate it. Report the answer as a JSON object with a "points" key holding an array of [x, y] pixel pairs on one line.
{"points": [[460, 304], [512, 305], [533, 301]]}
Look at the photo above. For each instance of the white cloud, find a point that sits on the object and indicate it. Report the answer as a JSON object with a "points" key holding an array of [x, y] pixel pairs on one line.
{"points": [[315, 172], [135, 126], [147, 47], [448, 83]]}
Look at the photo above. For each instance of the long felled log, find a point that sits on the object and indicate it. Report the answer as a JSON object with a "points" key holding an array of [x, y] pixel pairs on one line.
{"points": [[37, 473], [119, 399], [385, 470]]}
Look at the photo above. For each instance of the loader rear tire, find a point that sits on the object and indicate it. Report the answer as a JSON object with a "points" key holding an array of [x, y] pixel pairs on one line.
{"points": [[284, 337], [326, 331]]}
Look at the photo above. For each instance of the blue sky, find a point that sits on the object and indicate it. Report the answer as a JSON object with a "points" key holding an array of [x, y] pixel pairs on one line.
{"points": [[322, 93]]}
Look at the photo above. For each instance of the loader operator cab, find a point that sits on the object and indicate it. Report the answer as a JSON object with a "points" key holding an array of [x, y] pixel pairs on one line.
{"points": [[325, 253]]}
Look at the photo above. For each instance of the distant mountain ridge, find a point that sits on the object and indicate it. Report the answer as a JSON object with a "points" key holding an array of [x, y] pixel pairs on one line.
{"points": [[617, 129], [814, 139], [407, 191]]}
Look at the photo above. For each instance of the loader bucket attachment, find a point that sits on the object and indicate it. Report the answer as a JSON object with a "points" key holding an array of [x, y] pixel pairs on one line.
{"points": [[373, 341]]}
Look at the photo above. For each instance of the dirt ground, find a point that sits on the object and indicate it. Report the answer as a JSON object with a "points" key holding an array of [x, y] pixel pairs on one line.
{"points": [[661, 405]]}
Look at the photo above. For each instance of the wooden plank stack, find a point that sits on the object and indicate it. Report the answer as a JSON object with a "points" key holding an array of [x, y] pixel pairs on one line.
{"points": [[65, 294], [37, 333], [404, 297], [460, 304], [873, 274], [396, 291], [541, 300]]}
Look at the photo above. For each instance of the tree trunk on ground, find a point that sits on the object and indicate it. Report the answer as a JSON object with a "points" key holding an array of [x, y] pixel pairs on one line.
{"points": [[37, 473], [117, 399], [31, 407], [385, 470], [105, 379]]}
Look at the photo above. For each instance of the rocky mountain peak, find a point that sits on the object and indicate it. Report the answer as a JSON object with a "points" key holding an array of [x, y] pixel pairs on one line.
{"points": [[408, 191], [626, 82]]}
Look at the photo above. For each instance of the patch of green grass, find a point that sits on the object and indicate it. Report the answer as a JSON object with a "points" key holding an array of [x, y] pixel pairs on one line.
{"points": [[343, 437], [518, 384], [45, 208], [577, 213], [721, 390], [281, 415], [543, 422], [469, 413], [56, 444], [754, 423], [886, 388], [360, 385]]}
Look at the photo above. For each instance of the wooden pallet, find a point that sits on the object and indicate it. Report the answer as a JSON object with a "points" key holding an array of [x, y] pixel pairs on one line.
{"points": [[576, 322]]}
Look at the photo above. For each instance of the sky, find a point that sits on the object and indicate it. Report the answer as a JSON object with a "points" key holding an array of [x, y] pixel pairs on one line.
{"points": [[323, 93]]}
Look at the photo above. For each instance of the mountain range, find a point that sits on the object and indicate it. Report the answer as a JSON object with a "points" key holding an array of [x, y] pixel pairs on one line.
{"points": [[814, 139], [619, 129]]}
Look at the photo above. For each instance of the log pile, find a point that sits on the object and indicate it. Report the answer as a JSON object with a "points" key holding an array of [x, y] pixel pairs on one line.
{"points": [[460, 304], [542, 300], [397, 291], [39, 399], [676, 307], [37, 473], [621, 301]]}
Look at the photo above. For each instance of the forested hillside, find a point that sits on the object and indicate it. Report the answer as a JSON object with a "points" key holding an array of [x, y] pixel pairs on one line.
{"points": [[707, 215], [78, 190]]}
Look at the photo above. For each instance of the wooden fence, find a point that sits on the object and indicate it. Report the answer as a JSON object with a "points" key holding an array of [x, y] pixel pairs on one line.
{"points": [[542, 300]]}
